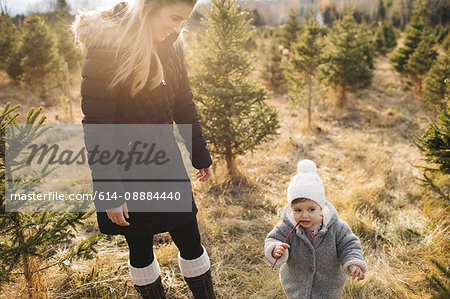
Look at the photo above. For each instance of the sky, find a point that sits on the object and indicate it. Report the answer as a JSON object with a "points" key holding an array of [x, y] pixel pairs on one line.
{"points": [[26, 6]]}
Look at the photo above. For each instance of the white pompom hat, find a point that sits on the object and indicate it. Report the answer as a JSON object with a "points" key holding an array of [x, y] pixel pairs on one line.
{"points": [[306, 184]]}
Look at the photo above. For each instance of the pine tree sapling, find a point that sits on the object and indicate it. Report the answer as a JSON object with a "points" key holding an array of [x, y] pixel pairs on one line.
{"points": [[413, 36], [305, 61], [348, 59], [390, 38], [379, 42], [290, 30], [420, 62], [435, 87], [31, 239], [8, 39], [232, 108], [273, 68], [66, 48], [434, 145], [40, 55], [435, 142]]}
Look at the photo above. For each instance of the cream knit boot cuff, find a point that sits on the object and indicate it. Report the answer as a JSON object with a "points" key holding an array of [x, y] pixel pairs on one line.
{"points": [[146, 275], [195, 267]]}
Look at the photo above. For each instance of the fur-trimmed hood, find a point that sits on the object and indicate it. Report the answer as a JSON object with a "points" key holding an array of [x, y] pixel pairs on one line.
{"points": [[104, 29], [330, 215], [99, 28]]}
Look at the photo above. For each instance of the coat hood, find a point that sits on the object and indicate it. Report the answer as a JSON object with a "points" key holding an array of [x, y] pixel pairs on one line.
{"points": [[330, 215], [104, 28], [99, 28]]}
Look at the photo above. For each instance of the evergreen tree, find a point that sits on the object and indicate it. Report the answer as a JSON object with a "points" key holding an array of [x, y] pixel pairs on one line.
{"points": [[441, 32], [13, 63], [435, 87], [273, 68], [8, 39], [381, 11], [232, 108], [290, 30], [420, 62], [66, 47], [330, 15], [40, 55], [413, 37], [348, 59], [379, 42], [62, 8], [390, 38], [305, 61], [434, 145], [32, 237], [368, 50]]}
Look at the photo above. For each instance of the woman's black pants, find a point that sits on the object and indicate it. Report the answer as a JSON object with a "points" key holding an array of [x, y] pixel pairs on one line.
{"points": [[186, 238]]}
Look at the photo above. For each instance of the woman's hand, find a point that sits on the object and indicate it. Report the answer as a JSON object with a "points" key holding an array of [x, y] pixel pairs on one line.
{"points": [[356, 271], [116, 215], [279, 250], [204, 174]]}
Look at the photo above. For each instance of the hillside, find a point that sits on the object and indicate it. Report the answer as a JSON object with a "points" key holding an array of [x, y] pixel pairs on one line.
{"points": [[366, 158]]}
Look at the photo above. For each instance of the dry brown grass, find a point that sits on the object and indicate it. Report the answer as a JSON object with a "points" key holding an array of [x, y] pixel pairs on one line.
{"points": [[365, 156]]}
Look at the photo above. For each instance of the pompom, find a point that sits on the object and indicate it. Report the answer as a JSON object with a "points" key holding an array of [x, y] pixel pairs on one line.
{"points": [[305, 166]]}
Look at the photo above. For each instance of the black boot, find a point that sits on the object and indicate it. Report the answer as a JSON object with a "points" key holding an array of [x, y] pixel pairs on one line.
{"points": [[152, 291], [201, 286]]}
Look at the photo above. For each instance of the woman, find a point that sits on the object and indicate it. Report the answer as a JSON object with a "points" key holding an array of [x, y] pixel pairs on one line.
{"points": [[134, 73]]}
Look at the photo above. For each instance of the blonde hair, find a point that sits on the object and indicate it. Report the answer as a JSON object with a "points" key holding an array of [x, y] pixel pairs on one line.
{"points": [[138, 64]]}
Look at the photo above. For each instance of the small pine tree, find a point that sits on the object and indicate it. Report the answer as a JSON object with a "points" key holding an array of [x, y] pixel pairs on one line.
{"points": [[305, 61], [40, 55], [290, 30], [348, 60], [379, 42], [273, 72], [390, 38], [330, 14], [435, 87], [13, 63], [441, 32], [8, 39], [62, 8], [232, 108], [420, 62], [435, 142], [413, 37], [28, 236], [66, 48]]}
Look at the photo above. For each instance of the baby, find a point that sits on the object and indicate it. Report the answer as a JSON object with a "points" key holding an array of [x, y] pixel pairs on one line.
{"points": [[321, 248]]}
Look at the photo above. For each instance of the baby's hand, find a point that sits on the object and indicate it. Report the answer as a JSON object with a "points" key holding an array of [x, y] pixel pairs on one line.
{"points": [[279, 250], [356, 271]]}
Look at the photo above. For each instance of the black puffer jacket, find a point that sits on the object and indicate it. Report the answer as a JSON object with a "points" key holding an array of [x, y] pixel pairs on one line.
{"points": [[170, 102]]}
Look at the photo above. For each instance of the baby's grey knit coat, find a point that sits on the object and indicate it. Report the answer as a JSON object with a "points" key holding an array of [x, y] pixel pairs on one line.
{"points": [[316, 270]]}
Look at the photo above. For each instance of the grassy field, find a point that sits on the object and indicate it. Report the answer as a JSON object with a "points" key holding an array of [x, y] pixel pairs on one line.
{"points": [[366, 158]]}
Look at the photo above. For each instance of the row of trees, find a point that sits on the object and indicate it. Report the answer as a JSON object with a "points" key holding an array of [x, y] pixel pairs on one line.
{"points": [[419, 61], [33, 52], [340, 58]]}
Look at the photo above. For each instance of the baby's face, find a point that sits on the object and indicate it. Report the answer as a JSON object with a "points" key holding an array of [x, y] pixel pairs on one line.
{"points": [[308, 212]]}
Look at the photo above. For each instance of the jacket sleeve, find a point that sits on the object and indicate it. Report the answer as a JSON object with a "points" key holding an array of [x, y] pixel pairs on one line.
{"points": [[99, 106], [276, 236], [349, 248], [185, 112]]}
